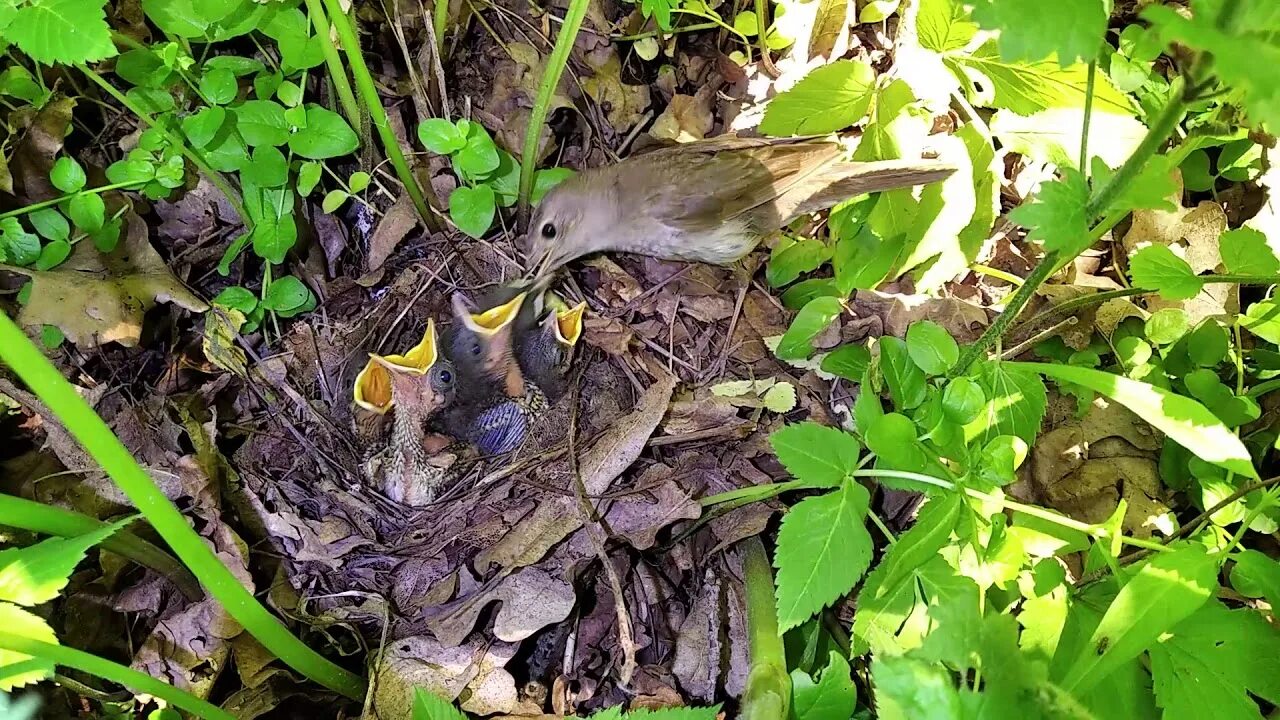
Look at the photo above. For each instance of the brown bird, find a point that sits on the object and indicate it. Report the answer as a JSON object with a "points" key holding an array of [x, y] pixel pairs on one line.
{"points": [[708, 201], [411, 388]]}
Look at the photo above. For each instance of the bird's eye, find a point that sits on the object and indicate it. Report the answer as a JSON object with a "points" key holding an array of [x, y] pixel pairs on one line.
{"points": [[446, 377], [475, 349], [548, 230]]}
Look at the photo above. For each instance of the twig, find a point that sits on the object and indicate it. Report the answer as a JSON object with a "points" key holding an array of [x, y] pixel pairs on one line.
{"points": [[1023, 346]]}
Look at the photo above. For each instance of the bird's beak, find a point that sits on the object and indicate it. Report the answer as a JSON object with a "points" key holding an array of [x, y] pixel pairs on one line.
{"points": [[569, 324], [372, 389], [492, 321]]}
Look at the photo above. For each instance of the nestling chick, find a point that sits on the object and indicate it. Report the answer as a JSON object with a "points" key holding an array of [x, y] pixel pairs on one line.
{"points": [[545, 350], [410, 388]]}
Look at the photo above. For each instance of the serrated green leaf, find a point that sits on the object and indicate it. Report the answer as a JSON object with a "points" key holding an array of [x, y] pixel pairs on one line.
{"points": [[326, 135], [1245, 251], [1058, 216], [1156, 267], [830, 98], [909, 689], [1053, 135], [816, 454], [1207, 665], [917, 546], [1029, 87], [1033, 30], [20, 622], [472, 209], [931, 347], [67, 175], [944, 25], [62, 32], [823, 550], [833, 697], [37, 573], [1184, 420], [1153, 188], [813, 318]]}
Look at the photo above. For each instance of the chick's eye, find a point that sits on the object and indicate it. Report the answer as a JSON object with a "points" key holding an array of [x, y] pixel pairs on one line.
{"points": [[446, 377], [548, 230], [475, 349]]}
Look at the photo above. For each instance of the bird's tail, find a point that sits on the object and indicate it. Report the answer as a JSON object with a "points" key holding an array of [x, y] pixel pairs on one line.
{"points": [[844, 180]]}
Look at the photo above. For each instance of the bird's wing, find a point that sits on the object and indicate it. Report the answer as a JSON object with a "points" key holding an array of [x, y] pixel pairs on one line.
{"points": [[715, 182]]}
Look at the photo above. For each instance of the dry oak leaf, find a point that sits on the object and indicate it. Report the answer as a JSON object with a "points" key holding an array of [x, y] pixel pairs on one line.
{"points": [[1192, 232], [96, 299]]}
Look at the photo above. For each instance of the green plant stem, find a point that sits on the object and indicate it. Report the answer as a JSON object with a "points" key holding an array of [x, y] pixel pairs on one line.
{"points": [[337, 71], [767, 695], [214, 176], [17, 351], [439, 18], [64, 656], [377, 114], [50, 520], [550, 80], [996, 273], [654, 33], [755, 493], [1088, 115], [1161, 129], [58, 200]]}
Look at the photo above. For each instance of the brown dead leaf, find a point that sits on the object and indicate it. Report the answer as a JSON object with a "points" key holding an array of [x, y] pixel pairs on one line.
{"points": [[638, 517], [686, 118], [698, 650], [423, 662], [515, 80], [400, 219], [963, 321], [96, 299], [196, 214], [607, 334], [531, 599], [625, 104], [34, 153], [1191, 232]]}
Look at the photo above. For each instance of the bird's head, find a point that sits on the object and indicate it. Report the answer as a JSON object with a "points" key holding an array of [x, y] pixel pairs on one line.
{"points": [[573, 219], [482, 342], [420, 377]]}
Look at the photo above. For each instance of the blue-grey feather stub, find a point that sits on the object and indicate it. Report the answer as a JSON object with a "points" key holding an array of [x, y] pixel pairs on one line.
{"points": [[499, 429]]}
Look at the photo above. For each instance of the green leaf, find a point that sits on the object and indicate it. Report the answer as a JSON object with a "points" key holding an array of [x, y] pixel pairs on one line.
{"points": [[963, 400], [51, 336], [944, 25], [479, 156], [1209, 663], [150, 100], [793, 260], [1016, 401], [17, 621], [1184, 420], [823, 550], [289, 93], [441, 136], [53, 254], [308, 177], [239, 66], [274, 237], [50, 224], [1257, 576], [1152, 189], [833, 697], [472, 209], [906, 381], [18, 82], [237, 298], [1208, 344], [1029, 87], [326, 135], [830, 98], [21, 247], [848, 361], [909, 689], [219, 86], [916, 547], [429, 706], [505, 181], [816, 454], [267, 167], [1166, 590], [1167, 326], [1053, 136], [358, 181], [67, 175], [545, 180], [333, 200], [1057, 217], [87, 211], [284, 294], [106, 238], [1033, 30], [201, 127], [1157, 268], [1263, 319], [62, 32], [931, 347], [262, 122], [1245, 252], [812, 319], [894, 440], [36, 574]]}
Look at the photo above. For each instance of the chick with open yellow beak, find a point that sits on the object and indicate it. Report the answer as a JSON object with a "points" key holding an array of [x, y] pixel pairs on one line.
{"points": [[410, 389], [546, 350]]}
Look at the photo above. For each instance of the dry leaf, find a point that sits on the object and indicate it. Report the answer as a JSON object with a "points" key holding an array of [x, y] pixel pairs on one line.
{"points": [[400, 219], [96, 299]]}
